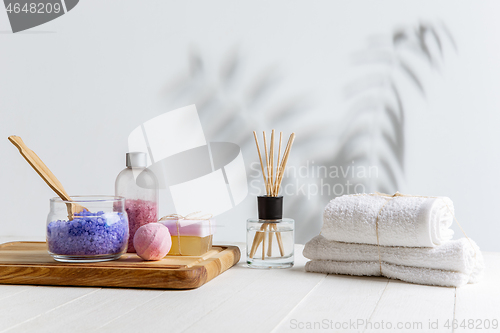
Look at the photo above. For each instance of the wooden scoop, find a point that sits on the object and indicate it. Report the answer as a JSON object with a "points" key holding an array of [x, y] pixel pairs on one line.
{"points": [[46, 175]]}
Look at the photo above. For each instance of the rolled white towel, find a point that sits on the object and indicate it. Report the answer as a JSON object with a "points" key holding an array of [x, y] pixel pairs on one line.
{"points": [[418, 275], [402, 221], [461, 256]]}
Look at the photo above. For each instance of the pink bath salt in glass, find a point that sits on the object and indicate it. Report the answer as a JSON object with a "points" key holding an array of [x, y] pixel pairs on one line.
{"points": [[140, 212]]}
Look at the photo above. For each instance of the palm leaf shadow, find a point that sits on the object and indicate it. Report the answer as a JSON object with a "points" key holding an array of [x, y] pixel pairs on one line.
{"points": [[387, 132]]}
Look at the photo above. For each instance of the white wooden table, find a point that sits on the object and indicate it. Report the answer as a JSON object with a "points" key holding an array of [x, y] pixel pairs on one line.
{"points": [[250, 300]]}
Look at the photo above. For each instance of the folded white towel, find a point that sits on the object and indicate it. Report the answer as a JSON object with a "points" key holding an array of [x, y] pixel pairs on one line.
{"points": [[457, 260], [418, 275], [403, 221]]}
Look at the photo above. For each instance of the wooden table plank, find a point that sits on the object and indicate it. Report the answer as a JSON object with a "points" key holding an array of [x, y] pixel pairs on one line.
{"points": [[178, 309], [260, 304], [8, 291], [408, 307], [86, 314], [35, 302], [336, 304], [476, 303], [185, 310]]}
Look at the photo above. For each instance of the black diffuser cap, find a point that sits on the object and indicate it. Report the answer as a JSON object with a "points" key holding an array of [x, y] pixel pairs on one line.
{"points": [[270, 208]]}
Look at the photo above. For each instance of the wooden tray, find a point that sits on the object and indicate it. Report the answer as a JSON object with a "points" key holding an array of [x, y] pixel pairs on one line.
{"points": [[30, 263]]}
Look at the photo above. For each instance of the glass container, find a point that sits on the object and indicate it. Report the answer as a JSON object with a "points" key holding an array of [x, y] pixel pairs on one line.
{"points": [[99, 234], [270, 238], [139, 186]]}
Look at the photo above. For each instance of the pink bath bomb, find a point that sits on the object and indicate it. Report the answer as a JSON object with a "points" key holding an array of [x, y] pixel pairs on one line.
{"points": [[152, 241]]}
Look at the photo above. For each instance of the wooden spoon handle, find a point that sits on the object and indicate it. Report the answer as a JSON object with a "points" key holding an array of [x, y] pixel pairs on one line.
{"points": [[40, 167]]}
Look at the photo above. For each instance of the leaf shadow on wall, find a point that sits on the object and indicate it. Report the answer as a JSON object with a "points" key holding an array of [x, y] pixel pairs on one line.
{"points": [[368, 153]]}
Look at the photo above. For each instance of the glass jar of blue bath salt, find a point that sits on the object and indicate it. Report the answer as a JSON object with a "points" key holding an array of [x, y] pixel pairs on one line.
{"points": [[87, 229]]}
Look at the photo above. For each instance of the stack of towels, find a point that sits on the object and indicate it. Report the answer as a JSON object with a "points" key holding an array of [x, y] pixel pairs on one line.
{"points": [[414, 241]]}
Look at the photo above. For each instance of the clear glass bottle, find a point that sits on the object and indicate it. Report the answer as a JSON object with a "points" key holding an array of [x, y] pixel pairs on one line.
{"points": [[270, 238], [139, 186], [99, 233]]}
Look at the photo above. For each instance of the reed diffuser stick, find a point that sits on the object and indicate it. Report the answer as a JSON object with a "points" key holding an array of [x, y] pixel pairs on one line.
{"points": [[260, 157], [280, 241], [285, 160], [277, 166], [257, 239], [271, 162], [268, 188], [272, 183], [270, 241], [281, 171], [264, 245]]}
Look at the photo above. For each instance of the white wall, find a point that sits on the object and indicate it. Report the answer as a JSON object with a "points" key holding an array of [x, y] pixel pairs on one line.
{"points": [[75, 87]]}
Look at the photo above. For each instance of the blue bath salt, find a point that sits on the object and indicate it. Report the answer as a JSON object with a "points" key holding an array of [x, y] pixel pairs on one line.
{"points": [[89, 234]]}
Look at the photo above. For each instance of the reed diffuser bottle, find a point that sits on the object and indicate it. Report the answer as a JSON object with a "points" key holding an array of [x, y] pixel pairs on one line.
{"points": [[270, 237]]}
